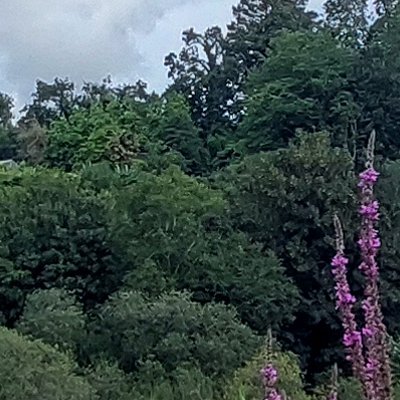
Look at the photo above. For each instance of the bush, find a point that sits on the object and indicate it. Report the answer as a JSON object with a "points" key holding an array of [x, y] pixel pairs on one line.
{"points": [[247, 384], [229, 269], [185, 383], [349, 389], [173, 331], [161, 215], [31, 370], [158, 219], [226, 268], [110, 382], [53, 233], [54, 316]]}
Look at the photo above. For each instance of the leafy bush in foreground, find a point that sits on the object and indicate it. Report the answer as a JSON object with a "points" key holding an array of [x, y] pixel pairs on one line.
{"points": [[173, 331], [31, 370], [53, 233], [55, 317], [247, 384]]}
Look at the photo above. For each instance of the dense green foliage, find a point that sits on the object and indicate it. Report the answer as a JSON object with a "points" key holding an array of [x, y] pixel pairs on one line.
{"points": [[32, 370], [285, 200], [114, 132], [54, 233], [149, 242], [55, 317], [246, 382], [171, 331], [303, 85]]}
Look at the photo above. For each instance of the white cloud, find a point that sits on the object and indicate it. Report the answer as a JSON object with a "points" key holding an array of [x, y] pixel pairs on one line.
{"points": [[79, 39]]}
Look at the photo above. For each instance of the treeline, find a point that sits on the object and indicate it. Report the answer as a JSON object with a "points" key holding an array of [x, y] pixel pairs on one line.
{"points": [[149, 242]]}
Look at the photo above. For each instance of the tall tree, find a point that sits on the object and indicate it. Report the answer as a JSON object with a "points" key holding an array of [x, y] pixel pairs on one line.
{"points": [[304, 84], [285, 199], [255, 24], [385, 7], [348, 20], [176, 130], [116, 132], [8, 142], [6, 106], [378, 87], [50, 101], [211, 69], [106, 91], [199, 74]]}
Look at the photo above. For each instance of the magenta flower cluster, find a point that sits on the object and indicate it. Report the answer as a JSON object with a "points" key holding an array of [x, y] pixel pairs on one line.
{"points": [[367, 348], [269, 376]]}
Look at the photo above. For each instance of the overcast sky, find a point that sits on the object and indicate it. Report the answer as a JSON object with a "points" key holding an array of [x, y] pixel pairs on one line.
{"points": [[89, 39]]}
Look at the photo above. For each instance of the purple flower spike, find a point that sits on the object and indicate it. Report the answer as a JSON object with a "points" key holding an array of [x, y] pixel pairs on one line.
{"points": [[352, 338], [269, 376], [367, 349], [377, 368]]}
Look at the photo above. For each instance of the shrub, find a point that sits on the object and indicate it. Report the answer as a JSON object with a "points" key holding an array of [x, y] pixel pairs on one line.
{"points": [[31, 370], [247, 384], [173, 331], [110, 382], [53, 233], [184, 383], [54, 316]]}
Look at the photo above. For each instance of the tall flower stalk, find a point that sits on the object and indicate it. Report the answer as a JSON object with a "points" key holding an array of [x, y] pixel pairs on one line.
{"points": [[377, 367], [352, 337], [368, 349], [269, 374]]}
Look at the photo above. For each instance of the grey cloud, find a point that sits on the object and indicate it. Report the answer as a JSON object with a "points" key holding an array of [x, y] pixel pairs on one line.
{"points": [[81, 39]]}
